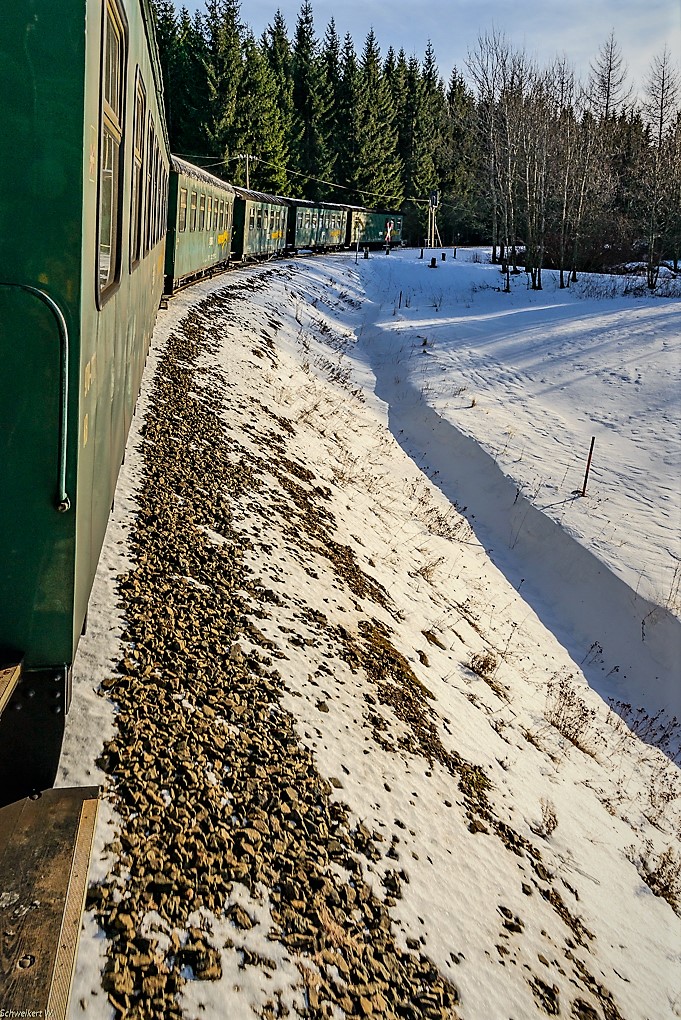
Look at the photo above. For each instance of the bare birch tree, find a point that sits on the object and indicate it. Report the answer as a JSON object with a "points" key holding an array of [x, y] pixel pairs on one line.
{"points": [[661, 107]]}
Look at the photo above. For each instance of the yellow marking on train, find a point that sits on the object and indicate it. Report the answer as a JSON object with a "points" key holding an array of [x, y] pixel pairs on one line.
{"points": [[276, 235], [224, 237], [89, 375], [85, 429]]}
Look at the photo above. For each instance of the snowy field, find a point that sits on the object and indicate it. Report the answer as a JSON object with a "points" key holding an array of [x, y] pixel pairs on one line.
{"points": [[444, 426]]}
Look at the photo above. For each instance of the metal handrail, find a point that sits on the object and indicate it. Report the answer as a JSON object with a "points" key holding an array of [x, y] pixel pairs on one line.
{"points": [[63, 502]]}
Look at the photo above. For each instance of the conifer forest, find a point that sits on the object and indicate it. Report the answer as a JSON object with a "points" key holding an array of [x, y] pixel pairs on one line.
{"points": [[552, 171]]}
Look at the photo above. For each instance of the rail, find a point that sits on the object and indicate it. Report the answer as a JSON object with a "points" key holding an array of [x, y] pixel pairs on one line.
{"points": [[63, 503]]}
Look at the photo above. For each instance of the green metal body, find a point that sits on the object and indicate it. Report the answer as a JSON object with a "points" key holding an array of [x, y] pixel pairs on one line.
{"points": [[195, 249], [316, 226], [66, 403], [260, 223], [374, 228]]}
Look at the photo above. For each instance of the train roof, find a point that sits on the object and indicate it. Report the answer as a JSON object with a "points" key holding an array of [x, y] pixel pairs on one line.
{"points": [[181, 166], [260, 196]]}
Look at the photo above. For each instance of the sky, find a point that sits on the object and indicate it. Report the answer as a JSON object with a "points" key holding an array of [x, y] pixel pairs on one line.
{"points": [[576, 29]]}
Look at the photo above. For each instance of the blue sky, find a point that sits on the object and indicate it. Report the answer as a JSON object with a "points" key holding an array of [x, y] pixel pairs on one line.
{"points": [[576, 28]]}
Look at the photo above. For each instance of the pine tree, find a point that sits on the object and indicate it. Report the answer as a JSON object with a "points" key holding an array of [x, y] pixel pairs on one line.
{"points": [[461, 217], [377, 173], [348, 119], [331, 64], [436, 113], [223, 33], [182, 55], [416, 149], [309, 142], [257, 128], [277, 48]]}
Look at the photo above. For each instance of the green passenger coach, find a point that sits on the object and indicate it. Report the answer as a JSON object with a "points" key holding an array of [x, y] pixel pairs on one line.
{"points": [[200, 224], [374, 229], [260, 223], [316, 226], [82, 233]]}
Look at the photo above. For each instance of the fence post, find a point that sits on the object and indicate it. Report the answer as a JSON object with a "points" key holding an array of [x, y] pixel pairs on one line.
{"points": [[588, 465]]}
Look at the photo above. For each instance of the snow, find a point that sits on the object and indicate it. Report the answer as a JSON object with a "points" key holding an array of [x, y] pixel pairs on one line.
{"points": [[451, 422]]}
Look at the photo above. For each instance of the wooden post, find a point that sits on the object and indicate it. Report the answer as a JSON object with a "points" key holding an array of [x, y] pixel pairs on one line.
{"points": [[588, 465]]}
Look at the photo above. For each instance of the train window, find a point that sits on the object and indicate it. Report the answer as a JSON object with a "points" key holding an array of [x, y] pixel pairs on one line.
{"points": [[202, 212], [192, 211], [251, 219], [308, 219], [221, 215], [215, 214], [209, 212], [154, 206], [111, 141], [259, 219], [151, 137], [137, 187], [182, 218]]}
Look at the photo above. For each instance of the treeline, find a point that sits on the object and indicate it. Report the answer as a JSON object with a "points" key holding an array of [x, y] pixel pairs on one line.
{"points": [[550, 170]]}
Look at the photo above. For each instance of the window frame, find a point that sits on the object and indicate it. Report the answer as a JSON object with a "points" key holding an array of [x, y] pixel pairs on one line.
{"points": [[112, 128], [137, 182], [182, 210]]}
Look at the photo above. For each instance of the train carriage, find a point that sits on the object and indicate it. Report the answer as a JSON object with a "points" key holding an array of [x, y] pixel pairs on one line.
{"points": [[260, 223], [317, 226], [82, 231], [374, 229], [200, 224]]}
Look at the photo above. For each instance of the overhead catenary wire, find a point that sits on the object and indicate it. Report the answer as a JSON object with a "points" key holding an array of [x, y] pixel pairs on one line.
{"points": [[297, 173]]}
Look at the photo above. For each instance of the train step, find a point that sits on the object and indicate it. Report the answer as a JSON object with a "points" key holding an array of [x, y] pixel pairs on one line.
{"points": [[45, 847], [9, 678]]}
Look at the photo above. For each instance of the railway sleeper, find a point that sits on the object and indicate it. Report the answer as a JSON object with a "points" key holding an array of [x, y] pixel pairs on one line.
{"points": [[45, 848]]}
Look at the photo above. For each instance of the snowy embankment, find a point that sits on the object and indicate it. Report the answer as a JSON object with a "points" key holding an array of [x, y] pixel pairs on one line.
{"points": [[453, 817], [531, 377]]}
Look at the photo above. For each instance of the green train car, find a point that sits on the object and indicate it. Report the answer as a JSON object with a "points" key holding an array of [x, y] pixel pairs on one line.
{"points": [[200, 223], [374, 229], [260, 224], [316, 226], [82, 237]]}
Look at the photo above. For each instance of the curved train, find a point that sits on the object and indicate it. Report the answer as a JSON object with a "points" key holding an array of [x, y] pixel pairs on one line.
{"points": [[97, 221]]}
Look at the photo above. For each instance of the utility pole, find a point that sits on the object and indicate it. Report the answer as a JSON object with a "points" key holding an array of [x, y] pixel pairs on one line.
{"points": [[433, 232], [247, 157]]}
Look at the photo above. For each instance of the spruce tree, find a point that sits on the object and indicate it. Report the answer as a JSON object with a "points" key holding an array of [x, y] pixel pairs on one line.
{"points": [[223, 34], [348, 120], [257, 128], [277, 48], [463, 172], [377, 173], [416, 146], [333, 87], [309, 142]]}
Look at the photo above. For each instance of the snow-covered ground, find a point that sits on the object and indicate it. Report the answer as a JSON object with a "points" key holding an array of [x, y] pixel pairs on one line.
{"points": [[448, 424]]}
